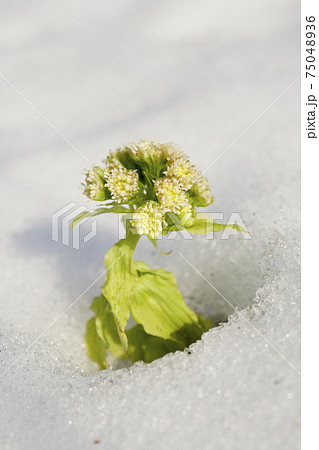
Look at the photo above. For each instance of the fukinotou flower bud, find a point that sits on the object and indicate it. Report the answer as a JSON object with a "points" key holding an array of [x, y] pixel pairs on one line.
{"points": [[147, 173]]}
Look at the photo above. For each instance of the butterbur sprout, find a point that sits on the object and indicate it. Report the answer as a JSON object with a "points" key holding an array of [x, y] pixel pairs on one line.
{"points": [[158, 189]]}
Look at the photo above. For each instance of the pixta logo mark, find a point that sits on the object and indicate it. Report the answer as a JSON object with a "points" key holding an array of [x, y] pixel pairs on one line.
{"points": [[61, 223]]}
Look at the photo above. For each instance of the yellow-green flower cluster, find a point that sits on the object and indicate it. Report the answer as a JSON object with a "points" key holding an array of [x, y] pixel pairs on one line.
{"points": [[121, 182], [184, 172], [114, 182], [190, 180], [149, 219], [155, 179], [170, 194]]}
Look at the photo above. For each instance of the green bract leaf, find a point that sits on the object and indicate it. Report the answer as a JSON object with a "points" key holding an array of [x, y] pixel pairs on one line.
{"points": [[125, 158], [120, 280], [158, 305], [205, 324], [151, 163], [154, 242], [105, 325], [200, 224], [221, 226], [96, 348], [147, 348], [117, 209]]}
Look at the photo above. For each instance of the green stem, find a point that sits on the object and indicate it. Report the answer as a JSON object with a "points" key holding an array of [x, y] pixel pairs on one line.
{"points": [[132, 240]]}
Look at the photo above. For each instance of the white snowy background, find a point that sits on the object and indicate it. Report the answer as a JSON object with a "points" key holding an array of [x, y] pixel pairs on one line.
{"points": [[197, 73]]}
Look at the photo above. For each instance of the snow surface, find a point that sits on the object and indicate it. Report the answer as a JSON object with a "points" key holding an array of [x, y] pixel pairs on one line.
{"points": [[198, 73]]}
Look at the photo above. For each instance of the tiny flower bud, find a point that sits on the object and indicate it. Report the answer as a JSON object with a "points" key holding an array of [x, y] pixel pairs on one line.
{"points": [[200, 193], [94, 187]]}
